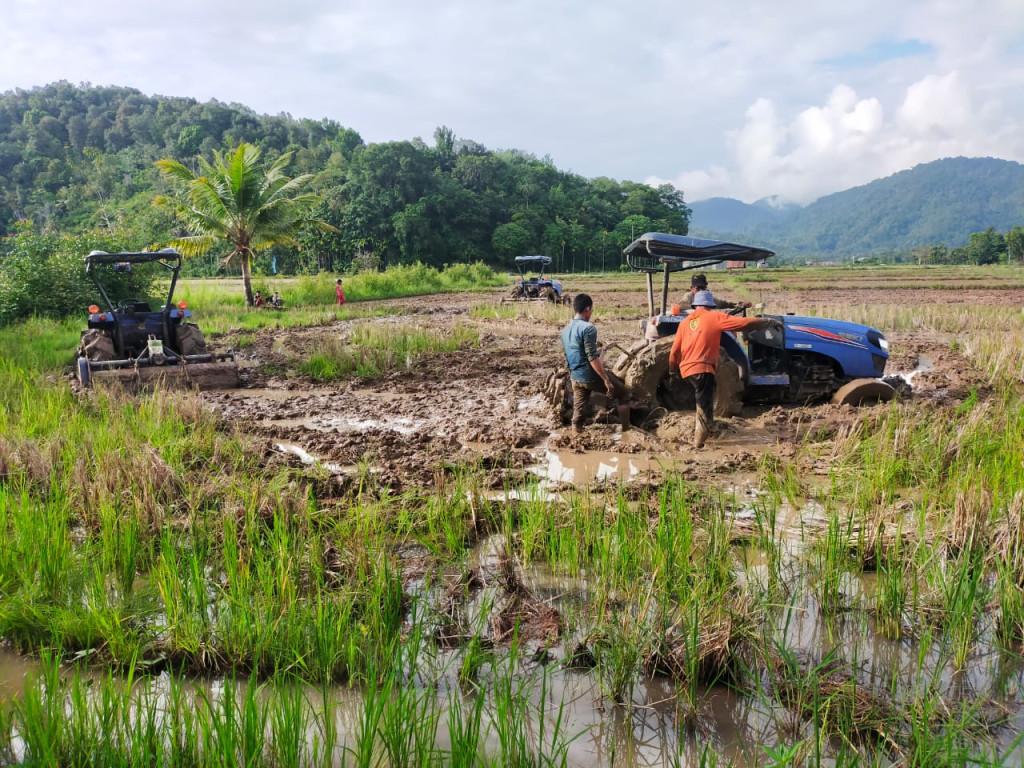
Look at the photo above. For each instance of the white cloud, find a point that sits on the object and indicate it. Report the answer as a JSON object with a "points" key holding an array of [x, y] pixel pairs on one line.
{"points": [[850, 141], [798, 98]]}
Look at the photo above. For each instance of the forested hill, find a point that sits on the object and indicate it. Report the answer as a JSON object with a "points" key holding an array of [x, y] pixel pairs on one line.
{"points": [[940, 202], [74, 158]]}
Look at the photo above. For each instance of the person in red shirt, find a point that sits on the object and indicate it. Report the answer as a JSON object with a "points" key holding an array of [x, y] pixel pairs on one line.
{"points": [[340, 294], [695, 353]]}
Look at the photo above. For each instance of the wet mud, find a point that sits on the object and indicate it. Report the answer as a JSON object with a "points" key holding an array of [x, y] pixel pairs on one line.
{"points": [[481, 406]]}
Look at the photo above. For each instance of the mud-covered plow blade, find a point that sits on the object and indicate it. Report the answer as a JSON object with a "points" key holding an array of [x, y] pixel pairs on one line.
{"points": [[863, 391], [212, 371]]}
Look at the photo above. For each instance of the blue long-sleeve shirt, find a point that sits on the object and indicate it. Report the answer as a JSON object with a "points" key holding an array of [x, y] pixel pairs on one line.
{"points": [[579, 342]]}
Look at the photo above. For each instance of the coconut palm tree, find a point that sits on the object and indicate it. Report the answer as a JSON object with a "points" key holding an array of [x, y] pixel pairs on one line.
{"points": [[236, 199]]}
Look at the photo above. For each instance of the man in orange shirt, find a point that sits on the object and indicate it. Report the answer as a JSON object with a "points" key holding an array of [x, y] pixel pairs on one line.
{"points": [[695, 353]]}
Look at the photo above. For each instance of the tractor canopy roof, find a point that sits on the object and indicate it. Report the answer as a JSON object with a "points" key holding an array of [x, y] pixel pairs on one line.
{"points": [[132, 257], [542, 261], [659, 252]]}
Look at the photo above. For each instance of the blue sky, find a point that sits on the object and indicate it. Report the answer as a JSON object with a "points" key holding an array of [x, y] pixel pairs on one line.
{"points": [[797, 98]]}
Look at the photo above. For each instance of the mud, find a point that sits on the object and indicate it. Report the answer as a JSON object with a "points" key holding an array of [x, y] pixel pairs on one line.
{"points": [[481, 406]]}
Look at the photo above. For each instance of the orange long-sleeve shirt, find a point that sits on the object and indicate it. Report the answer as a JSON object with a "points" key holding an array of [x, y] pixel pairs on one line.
{"points": [[699, 339]]}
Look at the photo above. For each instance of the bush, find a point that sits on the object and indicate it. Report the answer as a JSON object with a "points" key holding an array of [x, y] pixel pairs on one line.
{"points": [[404, 280], [44, 275]]}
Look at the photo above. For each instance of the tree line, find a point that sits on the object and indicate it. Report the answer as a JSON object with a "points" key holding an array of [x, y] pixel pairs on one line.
{"points": [[988, 247], [81, 158]]}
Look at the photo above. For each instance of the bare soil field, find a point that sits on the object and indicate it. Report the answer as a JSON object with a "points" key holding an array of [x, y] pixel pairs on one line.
{"points": [[482, 405]]}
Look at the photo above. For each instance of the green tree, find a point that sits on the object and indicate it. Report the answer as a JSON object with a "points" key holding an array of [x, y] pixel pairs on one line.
{"points": [[986, 247], [1015, 243], [236, 199], [510, 240]]}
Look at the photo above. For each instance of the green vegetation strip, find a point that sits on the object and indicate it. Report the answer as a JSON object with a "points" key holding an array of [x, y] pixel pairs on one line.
{"points": [[374, 349]]}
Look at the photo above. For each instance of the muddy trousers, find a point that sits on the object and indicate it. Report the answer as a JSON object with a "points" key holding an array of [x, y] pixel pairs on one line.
{"points": [[581, 396], [704, 388]]}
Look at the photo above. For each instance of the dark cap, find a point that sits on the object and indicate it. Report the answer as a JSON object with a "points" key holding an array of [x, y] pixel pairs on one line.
{"points": [[700, 282]]}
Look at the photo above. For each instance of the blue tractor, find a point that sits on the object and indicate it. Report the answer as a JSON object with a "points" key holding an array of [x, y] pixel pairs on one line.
{"points": [[133, 344], [537, 287], [811, 359]]}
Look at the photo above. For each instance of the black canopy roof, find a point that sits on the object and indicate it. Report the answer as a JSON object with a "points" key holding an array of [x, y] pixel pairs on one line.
{"points": [[657, 252]]}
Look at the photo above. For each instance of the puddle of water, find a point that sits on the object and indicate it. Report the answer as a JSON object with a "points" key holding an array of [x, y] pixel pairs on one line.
{"points": [[924, 364], [535, 403], [307, 458], [580, 468], [256, 393], [402, 425]]}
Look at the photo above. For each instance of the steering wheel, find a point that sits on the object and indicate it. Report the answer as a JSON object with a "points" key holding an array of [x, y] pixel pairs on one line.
{"points": [[128, 304]]}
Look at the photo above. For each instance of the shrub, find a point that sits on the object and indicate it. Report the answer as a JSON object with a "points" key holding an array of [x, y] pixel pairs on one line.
{"points": [[45, 275]]}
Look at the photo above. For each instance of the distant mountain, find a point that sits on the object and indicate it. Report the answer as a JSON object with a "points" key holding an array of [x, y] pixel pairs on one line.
{"points": [[724, 214], [944, 201]]}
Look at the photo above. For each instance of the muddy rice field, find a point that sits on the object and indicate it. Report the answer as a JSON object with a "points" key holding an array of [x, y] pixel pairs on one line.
{"points": [[484, 404], [438, 572]]}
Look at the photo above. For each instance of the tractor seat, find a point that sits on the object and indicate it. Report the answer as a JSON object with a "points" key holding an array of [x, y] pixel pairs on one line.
{"points": [[136, 308]]}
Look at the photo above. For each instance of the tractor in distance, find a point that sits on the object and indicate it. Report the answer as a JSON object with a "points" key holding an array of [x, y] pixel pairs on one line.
{"points": [[536, 287], [134, 345]]}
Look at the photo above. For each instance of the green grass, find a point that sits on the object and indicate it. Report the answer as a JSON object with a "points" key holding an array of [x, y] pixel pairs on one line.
{"points": [[372, 350]]}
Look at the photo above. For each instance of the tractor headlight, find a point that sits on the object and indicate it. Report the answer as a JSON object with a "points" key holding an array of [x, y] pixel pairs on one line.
{"points": [[876, 338]]}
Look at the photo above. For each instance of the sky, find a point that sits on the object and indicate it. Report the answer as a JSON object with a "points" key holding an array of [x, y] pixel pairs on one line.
{"points": [[788, 100]]}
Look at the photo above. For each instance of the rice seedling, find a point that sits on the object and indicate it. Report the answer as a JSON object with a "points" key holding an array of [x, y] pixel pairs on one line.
{"points": [[466, 729]]}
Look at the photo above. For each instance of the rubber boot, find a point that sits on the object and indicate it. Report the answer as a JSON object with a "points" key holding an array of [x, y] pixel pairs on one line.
{"points": [[702, 428]]}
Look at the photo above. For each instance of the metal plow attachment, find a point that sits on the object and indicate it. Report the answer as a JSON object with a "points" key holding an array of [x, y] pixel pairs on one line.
{"points": [[860, 391], [197, 372]]}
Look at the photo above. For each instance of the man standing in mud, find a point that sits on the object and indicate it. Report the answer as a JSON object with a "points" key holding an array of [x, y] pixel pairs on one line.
{"points": [[695, 353], [579, 342]]}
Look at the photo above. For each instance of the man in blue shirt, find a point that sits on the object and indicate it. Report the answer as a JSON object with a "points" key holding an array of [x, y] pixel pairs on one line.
{"points": [[579, 342]]}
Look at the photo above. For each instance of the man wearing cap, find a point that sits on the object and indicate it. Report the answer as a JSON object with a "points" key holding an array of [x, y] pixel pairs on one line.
{"points": [[579, 342], [700, 283], [695, 353]]}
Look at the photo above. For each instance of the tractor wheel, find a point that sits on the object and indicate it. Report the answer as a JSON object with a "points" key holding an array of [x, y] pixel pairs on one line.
{"points": [[516, 293], [558, 392], [643, 369], [646, 376], [549, 294], [191, 340], [860, 391], [728, 387], [96, 346]]}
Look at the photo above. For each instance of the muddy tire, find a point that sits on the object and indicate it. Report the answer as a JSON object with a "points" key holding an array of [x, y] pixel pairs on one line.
{"points": [[191, 340], [643, 369], [549, 294], [646, 376], [558, 392], [862, 391], [96, 346], [728, 387], [516, 293]]}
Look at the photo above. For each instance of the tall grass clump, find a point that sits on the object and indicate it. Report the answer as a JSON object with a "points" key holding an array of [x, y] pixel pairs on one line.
{"points": [[373, 350], [398, 281]]}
